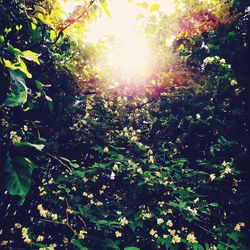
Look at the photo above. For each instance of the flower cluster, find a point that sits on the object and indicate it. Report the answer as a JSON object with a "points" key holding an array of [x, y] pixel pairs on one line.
{"points": [[238, 226], [14, 137], [25, 235]]}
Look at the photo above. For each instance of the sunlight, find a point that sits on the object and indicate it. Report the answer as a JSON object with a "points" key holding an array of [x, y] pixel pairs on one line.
{"points": [[123, 18], [68, 6], [128, 54]]}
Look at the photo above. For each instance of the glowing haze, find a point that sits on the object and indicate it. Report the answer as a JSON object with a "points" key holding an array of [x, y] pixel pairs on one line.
{"points": [[128, 54]]}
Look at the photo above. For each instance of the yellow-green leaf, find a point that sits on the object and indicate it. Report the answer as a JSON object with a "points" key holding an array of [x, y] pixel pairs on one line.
{"points": [[31, 56], [154, 7], [143, 5], [22, 67], [9, 64]]}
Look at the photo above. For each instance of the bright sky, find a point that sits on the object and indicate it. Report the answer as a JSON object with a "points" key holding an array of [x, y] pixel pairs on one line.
{"points": [[129, 54], [123, 16]]}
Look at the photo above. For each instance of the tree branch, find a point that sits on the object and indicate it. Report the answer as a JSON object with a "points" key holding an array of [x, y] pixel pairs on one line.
{"points": [[61, 162]]}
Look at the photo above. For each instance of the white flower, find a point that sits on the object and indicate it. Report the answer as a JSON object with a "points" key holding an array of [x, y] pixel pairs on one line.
{"points": [[169, 223], [224, 163], [139, 171], [123, 221], [159, 221], [40, 238], [212, 177], [176, 239], [25, 128], [191, 238], [196, 200], [54, 216], [115, 167], [106, 149], [198, 116], [228, 170], [82, 234], [152, 232], [118, 234], [222, 61], [112, 176], [233, 82]]}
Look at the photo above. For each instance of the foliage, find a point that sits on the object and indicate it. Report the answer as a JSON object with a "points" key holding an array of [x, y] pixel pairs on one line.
{"points": [[159, 166]]}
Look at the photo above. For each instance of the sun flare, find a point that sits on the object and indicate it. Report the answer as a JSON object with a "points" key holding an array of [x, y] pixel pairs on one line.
{"points": [[128, 54]]}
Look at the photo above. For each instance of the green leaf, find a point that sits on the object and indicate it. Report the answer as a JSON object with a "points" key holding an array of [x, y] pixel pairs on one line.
{"points": [[17, 66], [140, 16], [17, 176], [131, 248], [79, 173], [49, 102], [74, 165], [32, 145], [106, 10], [22, 67], [235, 236], [65, 159], [14, 51], [132, 226], [214, 204], [206, 246], [39, 85], [31, 56], [78, 244], [2, 39], [154, 7], [9, 64], [223, 246], [143, 5], [33, 26], [19, 91]]}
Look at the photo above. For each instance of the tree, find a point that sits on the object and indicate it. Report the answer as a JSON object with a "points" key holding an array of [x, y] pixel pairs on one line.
{"points": [[98, 168]]}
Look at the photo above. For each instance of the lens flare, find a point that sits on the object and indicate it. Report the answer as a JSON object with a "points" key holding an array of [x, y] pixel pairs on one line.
{"points": [[128, 54]]}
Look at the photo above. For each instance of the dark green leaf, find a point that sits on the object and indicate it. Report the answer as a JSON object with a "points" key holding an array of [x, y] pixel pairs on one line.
{"points": [[19, 92], [131, 248], [78, 244], [18, 176], [32, 145]]}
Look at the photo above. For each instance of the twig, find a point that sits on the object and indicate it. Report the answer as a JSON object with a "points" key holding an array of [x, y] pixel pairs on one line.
{"points": [[67, 203], [80, 218], [43, 34], [56, 158], [208, 231], [37, 130], [55, 41], [67, 207], [72, 21], [57, 222]]}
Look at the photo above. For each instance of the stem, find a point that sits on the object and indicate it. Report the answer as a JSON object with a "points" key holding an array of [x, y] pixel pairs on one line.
{"points": [[80, 218], [208, 231], [57, 222], [62, 163], [37, 130], [72, 21]]}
